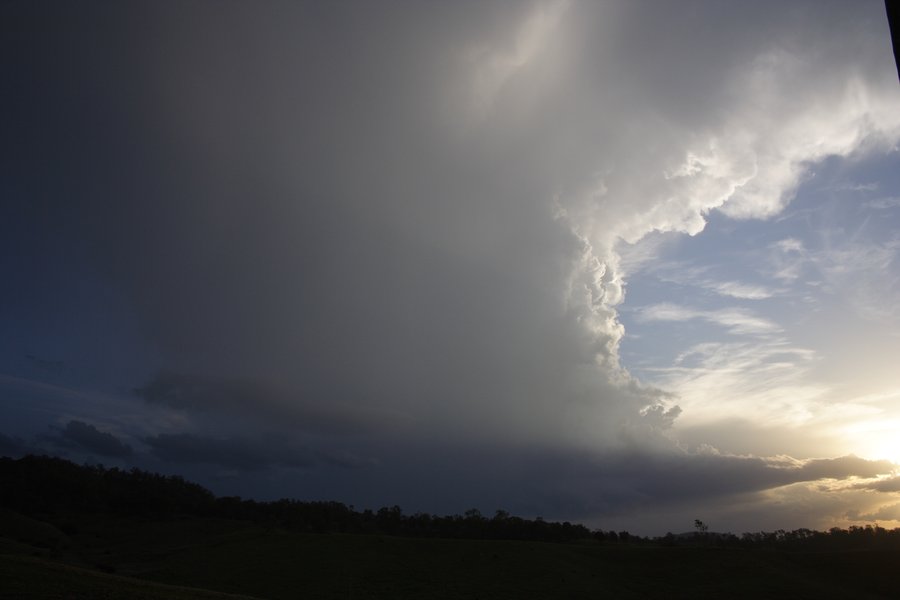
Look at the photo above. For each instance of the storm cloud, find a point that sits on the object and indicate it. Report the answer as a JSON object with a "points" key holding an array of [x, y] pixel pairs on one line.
{"points": [[425, 228], [390, 230], [227, 452], [11, 446], [87, 438], [259, 401], [882, 485]]}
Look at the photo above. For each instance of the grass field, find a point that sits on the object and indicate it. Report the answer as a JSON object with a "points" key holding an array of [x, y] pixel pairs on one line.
{"points": [[102, 557], [24, 578]]}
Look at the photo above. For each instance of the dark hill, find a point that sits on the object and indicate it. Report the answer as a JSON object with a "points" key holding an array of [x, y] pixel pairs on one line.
{"points": [[69, 531]]}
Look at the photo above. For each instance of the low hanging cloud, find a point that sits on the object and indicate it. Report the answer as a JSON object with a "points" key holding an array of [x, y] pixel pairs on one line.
{"points": [[44, 364], [890, 512], [234, 452], [889, 485], [706, 475], [11, 446], [85, 437], [259, 401], [624, 484]]}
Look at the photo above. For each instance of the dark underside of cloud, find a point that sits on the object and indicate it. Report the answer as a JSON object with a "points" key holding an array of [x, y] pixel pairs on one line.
{"points": [[259, 401], [11, 446], [233, 453], [244, 453], [889, 485], [622, 482], [441, 477], [85, 437]]}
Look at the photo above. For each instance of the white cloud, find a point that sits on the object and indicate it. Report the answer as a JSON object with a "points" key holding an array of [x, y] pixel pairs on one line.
{"points": [[871, 186], [647, 254], [764, 382], [785, 107], [735, 289], [737, 321], [492, 64], [788, 259], [867, 275], [883, 203], [648, 257], [789, 245], [856, 266]]}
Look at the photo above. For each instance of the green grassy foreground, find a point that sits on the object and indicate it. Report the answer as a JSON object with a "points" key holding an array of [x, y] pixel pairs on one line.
{"points": [[110, 558]]}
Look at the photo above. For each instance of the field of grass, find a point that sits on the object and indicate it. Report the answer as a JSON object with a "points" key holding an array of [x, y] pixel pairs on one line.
{"points": [[26, 578], [103, 557]]}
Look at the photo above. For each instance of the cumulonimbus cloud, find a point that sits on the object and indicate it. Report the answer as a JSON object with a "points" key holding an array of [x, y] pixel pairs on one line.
{"points": [[317, 215], [395, 258]]}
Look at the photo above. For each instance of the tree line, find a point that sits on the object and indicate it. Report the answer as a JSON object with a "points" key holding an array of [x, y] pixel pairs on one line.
{"points": [[45, 487]]}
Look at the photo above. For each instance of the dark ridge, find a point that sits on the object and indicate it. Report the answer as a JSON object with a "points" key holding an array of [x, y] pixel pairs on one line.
{"points": [[52, 489], [40, 486]]}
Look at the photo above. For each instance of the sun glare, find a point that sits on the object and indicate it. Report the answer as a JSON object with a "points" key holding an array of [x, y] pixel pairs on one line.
{"points": [[878, 440]]}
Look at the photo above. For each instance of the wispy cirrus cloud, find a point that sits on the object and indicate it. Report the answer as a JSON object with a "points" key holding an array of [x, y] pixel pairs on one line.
{"points": [[867, 274], [648, 259], [738, 321], [862, 269], [787, 259], [736, 289], [884, 203], [764, 380]]}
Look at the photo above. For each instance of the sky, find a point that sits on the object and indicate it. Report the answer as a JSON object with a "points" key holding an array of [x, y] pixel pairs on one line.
{"points": [[628, 264]]}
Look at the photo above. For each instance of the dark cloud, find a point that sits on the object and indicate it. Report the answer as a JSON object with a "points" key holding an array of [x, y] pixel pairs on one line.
{"points": [[259, 401], [890, 512], [50, 366], [624, 480], [86, 437], [231, 453], [844, 467], [593, 487], [12, 446], [244, 453], [323, 246], [889, 485]]}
